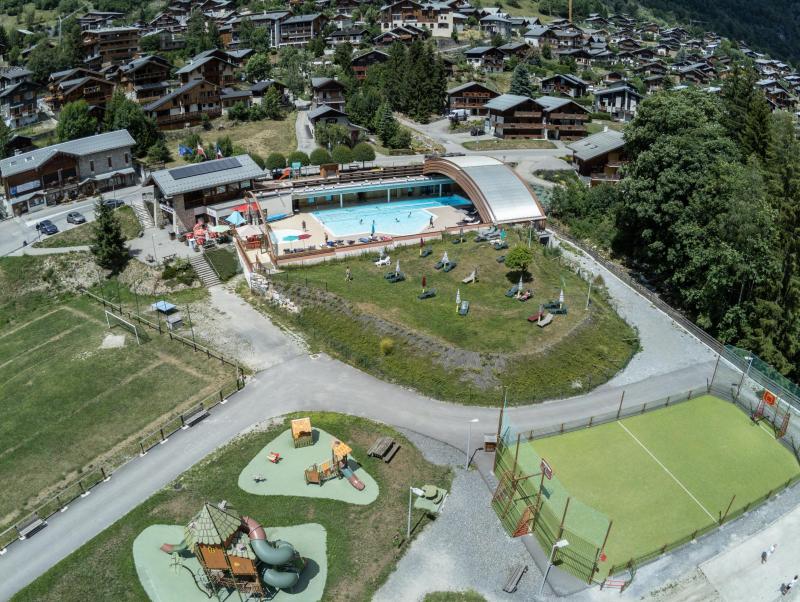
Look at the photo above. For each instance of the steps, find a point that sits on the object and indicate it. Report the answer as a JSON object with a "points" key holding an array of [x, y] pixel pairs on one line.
{"points": [[142, 213], [204, 271]]}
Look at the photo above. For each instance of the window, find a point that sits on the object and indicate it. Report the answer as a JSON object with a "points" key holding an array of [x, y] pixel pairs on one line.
{"points": [[127, 159], [109, 161], [91, 166]]}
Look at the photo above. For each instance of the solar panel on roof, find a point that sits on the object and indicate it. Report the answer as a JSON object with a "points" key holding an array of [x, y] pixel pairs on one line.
{"points": [[203, 168]]}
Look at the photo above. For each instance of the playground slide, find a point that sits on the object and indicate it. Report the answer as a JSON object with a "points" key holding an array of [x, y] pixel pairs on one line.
{"points": [[169, 548], [275, 553], [352, 478]]}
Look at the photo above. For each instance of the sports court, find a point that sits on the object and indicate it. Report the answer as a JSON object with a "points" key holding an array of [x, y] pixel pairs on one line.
{"points": [[661, 476]]}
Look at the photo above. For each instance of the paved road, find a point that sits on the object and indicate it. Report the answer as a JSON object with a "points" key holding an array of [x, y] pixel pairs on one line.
{"points": [[302, 128]]}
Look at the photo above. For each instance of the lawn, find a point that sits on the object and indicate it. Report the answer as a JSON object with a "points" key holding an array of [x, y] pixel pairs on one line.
{"points": [[466, 359], [498, 144], [662, 475], [467, 596], [364, 542], [70, 401], [224, 261], [84, 234]]}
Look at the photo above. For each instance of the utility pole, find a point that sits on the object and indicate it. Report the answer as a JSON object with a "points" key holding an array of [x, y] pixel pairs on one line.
{"points": [[569, 10]]}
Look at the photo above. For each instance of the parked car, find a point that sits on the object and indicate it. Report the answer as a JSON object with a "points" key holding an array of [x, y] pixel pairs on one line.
{"points": [[74, 217], [113, 203], [46, 227]]}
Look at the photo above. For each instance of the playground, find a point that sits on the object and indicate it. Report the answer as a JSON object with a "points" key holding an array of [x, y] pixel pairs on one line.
{"points": [[321, 466], [634, 488], [469, 318]]}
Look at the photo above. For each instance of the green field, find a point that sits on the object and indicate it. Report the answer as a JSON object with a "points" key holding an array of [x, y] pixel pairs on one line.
{"points": [[68, 402], [662, 475], [493, 346], [364, 542], [498, 144], [84, 234]]}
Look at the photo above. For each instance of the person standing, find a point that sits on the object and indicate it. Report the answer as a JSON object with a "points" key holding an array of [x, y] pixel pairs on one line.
{"points": [[304, 225], [764, 556], [348, 275]]}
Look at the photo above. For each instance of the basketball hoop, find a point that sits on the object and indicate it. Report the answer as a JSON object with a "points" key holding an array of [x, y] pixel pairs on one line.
{"points": [[769, 398]]}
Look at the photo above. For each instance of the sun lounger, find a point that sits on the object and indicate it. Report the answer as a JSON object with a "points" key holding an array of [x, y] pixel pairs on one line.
{"points": [[431, 292], [526, 295], [498, 245], [559, 311], [395, 277], [471, 278], [535, 317], [501, 259], [545, 321], [464, 309], [512, 291], [438, 265], [426, 251], [449, 267], [383, 261], [362, 239]]}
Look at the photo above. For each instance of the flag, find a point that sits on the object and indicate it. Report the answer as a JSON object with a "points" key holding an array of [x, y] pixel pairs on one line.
{"points": [[219, 152], [184, 150], [200, 151]]}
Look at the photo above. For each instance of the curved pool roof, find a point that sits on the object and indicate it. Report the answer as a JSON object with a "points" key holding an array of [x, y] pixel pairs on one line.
{"points": [[499, 194]]}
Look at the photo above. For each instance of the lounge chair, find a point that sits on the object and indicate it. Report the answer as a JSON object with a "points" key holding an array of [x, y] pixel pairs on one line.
{"points": [[426, 251], [456, 241], [431, 292], [364, 240], [545, 321], [526, 295], [501, 259], [473, 277], [449, 267], [438, 265], [535, 317], [512, 291], [464, 309], [395, 277], [383, 261], [559, 311], [498, 245]]}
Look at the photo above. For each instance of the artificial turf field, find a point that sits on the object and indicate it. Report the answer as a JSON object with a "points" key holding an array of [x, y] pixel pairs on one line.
{"points": [[662, 475]]}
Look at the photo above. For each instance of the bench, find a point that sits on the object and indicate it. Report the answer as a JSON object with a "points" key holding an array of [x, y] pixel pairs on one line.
{"points": [[513, 580], [384, 448], [194, 416], [30, 526], [392, 453]]}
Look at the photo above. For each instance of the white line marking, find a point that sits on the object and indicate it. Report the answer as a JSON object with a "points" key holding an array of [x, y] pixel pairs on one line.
{"points": [[674, 478]]}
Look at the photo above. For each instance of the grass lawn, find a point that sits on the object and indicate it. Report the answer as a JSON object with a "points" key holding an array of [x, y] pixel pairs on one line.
{"points": [[498, 144], [69, 403], [363, 541], [468, 596], [595, 126], [84, 234], [558, 176], [662, 475], [493, 345], [224, 262]]}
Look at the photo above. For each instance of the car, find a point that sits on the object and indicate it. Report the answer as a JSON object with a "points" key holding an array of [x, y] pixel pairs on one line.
{"points": [[46, 227], [113, 203], [74, 217]]}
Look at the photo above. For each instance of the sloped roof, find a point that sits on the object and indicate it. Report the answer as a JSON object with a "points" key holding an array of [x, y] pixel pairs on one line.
{"points": [[597, 144], [468, 85], [152, 106], [212, 526], [217, 172], [505, 102]]}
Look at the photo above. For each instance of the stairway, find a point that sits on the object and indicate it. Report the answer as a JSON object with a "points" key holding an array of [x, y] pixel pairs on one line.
{"points": [[142, 213], [204, 270]]}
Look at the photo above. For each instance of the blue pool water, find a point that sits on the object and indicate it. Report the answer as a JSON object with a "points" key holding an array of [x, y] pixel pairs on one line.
{"points": [[397, 218]]}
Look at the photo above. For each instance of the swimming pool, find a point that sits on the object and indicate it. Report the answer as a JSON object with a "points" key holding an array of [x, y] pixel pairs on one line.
{"points": [[397, 218]]}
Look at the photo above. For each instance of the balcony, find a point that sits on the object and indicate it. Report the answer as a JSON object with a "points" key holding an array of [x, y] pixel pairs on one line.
{"points": [[565, 127], [534, 125], [184, 117], [533, 114], [572, 116]]}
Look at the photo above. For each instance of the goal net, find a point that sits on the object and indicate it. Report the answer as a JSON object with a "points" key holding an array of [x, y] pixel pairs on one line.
{"points": [[113, 320]]}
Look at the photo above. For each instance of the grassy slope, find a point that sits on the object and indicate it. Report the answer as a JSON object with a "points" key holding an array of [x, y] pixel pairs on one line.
{"points": [[91, 398], [224, 261], [709, 445], [362, 548], [467, 596], [84, 234]]}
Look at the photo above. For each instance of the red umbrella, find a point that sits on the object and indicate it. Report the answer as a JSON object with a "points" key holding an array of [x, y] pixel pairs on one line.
{"points": [[421, 242], [424, 282], [304, 236]]}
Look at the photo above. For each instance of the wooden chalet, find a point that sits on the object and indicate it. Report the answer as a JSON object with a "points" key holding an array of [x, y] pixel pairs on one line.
{"points": [[470, 97], [599, 157], [362, 62], [327, 91], [565, 84], [212, 66], [112, 45], [185, 105]]}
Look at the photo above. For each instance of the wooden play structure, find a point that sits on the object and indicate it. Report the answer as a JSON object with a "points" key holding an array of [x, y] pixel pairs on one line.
{"points": [[302, 435], [335, 468]]}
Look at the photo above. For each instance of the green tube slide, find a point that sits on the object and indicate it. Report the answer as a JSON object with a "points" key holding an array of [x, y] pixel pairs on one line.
{"points": [[280, 579], [276, 553]]}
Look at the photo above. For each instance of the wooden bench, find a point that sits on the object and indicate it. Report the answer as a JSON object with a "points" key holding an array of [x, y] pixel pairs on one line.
{"points": [[513, 580], [30, 526], [384, 448], [194, 416]]}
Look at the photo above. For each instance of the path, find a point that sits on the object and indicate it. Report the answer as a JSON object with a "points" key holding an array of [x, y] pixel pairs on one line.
{"points": [[302, 128]]}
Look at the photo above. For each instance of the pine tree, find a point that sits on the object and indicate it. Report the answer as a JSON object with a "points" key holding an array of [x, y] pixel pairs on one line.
{"points": [[520, 81], [387, 125], [271, 104], [108, 246], [756, 131]]}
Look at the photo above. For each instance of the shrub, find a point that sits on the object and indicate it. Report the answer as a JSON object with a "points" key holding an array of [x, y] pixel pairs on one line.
{"points": [[342, 154], [298, 157], [319, 156], [276, 161], [387, 346]]}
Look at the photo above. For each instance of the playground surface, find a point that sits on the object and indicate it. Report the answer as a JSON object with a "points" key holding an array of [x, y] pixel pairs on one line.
{"points": [[69, 396], [286, 477], [660, 476], [164, 582]]}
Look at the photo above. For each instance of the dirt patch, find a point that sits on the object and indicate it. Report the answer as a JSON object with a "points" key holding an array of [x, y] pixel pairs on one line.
{"points": [[113, 341]]}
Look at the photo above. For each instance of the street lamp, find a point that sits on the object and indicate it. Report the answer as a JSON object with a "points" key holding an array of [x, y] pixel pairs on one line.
{"points": [[411, 492], [749, 359], [561, 543], [469, 436]]}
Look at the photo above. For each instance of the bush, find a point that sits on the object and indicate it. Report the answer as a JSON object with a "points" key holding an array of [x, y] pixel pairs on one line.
{"points": [[276, 161], [239, 112], [387, 346], [180, 271], [298, 157], [319, 156], [600, 115], [342, 154], [363, 152], [259, 160]]}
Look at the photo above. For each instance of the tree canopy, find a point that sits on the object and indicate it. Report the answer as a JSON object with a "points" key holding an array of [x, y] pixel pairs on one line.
{"points": [[75, 121]]}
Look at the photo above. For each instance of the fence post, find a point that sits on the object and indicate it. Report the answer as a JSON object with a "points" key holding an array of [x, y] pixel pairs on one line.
{"points": [[689, 396], [600, 551], [621, 399], [644, 407], [220, 395], [714, 375], [80, 484], [499, 423], [103, 472], [591, 419], [722, 517], [668, 398], [141, 446], [162, 434]]}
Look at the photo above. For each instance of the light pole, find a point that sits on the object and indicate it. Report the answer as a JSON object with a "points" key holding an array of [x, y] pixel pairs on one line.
{"points": [[469, 436], [589, 294], [561, 543], [749, 359], [411, 492]]}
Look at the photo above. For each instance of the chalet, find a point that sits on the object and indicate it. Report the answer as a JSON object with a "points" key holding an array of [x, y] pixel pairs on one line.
{"points": [[651, 68], [404, 35], [620, 101], [19, 144], [111, 45], [565, 84], [97, 19], [362, 62], [613, 77], [535, 36], [599, 157], [14, 75], [487, 58], [350, 35], [644, 54], [95, 91], [259, 89], [563, 119], [777, 95], [269, 21], [654, 83], [692, 74], [230, 96], [437, 17], [496, 25], [19, 104], [628, 45], [211, 65], [517, 49], [298, 30], [581, 56], [167, 41], [470, 97], [519, 25], [49, 174], [329, 115], [185, 105], [562, 39], [239, 56], [327, 91], [514, 116], [203, 191], [596, 20], [145, 78], [168, 22]]}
